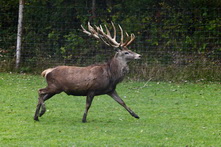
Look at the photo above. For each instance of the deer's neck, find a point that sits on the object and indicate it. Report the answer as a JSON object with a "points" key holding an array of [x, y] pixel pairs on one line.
{"points": [[118, 69]]}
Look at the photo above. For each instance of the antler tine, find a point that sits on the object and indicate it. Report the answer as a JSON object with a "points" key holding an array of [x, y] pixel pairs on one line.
{"points": [[92, 31], [108, 32], [105, 41], [115, 33], [90, 28], [132, 36], [85, 31], [105, 37], [128, 39], [111, 41], [122, 36], [101, 28]]}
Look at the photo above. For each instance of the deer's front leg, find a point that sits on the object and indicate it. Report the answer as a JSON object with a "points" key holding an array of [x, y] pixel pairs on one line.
{"points": [[115, 96]]}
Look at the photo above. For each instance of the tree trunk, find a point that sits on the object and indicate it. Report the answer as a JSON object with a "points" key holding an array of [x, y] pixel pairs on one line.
{"points": [[19, 33], [93, 8]]}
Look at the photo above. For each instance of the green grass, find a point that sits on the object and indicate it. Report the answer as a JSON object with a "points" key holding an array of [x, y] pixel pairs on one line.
{"points": [[171, 114]]}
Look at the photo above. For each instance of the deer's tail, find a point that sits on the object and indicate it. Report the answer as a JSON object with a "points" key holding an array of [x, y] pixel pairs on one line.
{"points": [[45, 72]]}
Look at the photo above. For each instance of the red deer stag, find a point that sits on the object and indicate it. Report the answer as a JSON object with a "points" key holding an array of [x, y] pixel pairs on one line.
{"points": [[92, 80]]}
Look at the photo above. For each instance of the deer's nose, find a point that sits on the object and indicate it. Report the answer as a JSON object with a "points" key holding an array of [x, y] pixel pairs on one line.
{"points": [[138, 56]]}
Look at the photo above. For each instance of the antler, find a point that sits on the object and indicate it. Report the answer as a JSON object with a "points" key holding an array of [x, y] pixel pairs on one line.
{"points": [[99, 33]]}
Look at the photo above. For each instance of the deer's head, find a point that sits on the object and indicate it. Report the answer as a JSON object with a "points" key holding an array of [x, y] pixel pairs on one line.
{"points": [[122, 51]]}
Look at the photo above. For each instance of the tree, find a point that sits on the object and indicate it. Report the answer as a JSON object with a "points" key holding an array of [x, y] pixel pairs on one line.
{"points": [[19, 34]]}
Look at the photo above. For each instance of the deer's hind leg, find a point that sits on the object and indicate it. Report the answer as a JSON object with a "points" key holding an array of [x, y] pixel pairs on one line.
{"points": [[44, 94], [43, 108], [40, 102]]}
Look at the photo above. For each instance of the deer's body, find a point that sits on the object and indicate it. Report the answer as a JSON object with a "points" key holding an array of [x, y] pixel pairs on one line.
{"points": [[87, 81], [79, 81]]}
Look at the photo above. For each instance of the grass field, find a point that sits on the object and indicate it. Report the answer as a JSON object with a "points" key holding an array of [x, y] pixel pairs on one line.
{"points": [[171, 114]]}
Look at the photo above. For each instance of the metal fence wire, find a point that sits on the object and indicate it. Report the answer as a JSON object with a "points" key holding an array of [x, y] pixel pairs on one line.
{"points": [[170, 40]]}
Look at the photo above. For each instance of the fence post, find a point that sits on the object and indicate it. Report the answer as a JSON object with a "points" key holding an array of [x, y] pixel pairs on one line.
{"points": [[19, 33]]}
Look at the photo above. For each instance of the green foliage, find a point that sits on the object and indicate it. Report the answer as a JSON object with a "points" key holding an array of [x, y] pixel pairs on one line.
{"points": [[52, 32], [8, 28], [72, 45], [171, 114]]}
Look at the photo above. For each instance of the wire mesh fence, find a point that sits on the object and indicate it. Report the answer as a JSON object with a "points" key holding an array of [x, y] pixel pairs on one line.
{"points": [[172, 41]]}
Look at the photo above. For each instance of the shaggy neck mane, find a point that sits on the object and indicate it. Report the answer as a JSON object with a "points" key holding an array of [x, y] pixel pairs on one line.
{"points": [[118, 69]]}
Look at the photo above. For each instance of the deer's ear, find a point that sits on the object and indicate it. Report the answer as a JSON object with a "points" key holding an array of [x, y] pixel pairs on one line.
{"points": [[117, 53]]}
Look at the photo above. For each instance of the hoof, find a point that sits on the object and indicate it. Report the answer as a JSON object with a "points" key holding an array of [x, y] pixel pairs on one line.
{"points": [[42, 112], [36, 119], [135, 115], [84, 121]]}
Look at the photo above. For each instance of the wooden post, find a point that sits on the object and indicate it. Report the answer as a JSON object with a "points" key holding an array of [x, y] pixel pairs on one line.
{"points": [[19, 33]]}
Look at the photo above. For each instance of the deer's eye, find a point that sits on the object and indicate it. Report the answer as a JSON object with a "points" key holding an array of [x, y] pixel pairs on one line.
{"points": [[126, 53]]}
